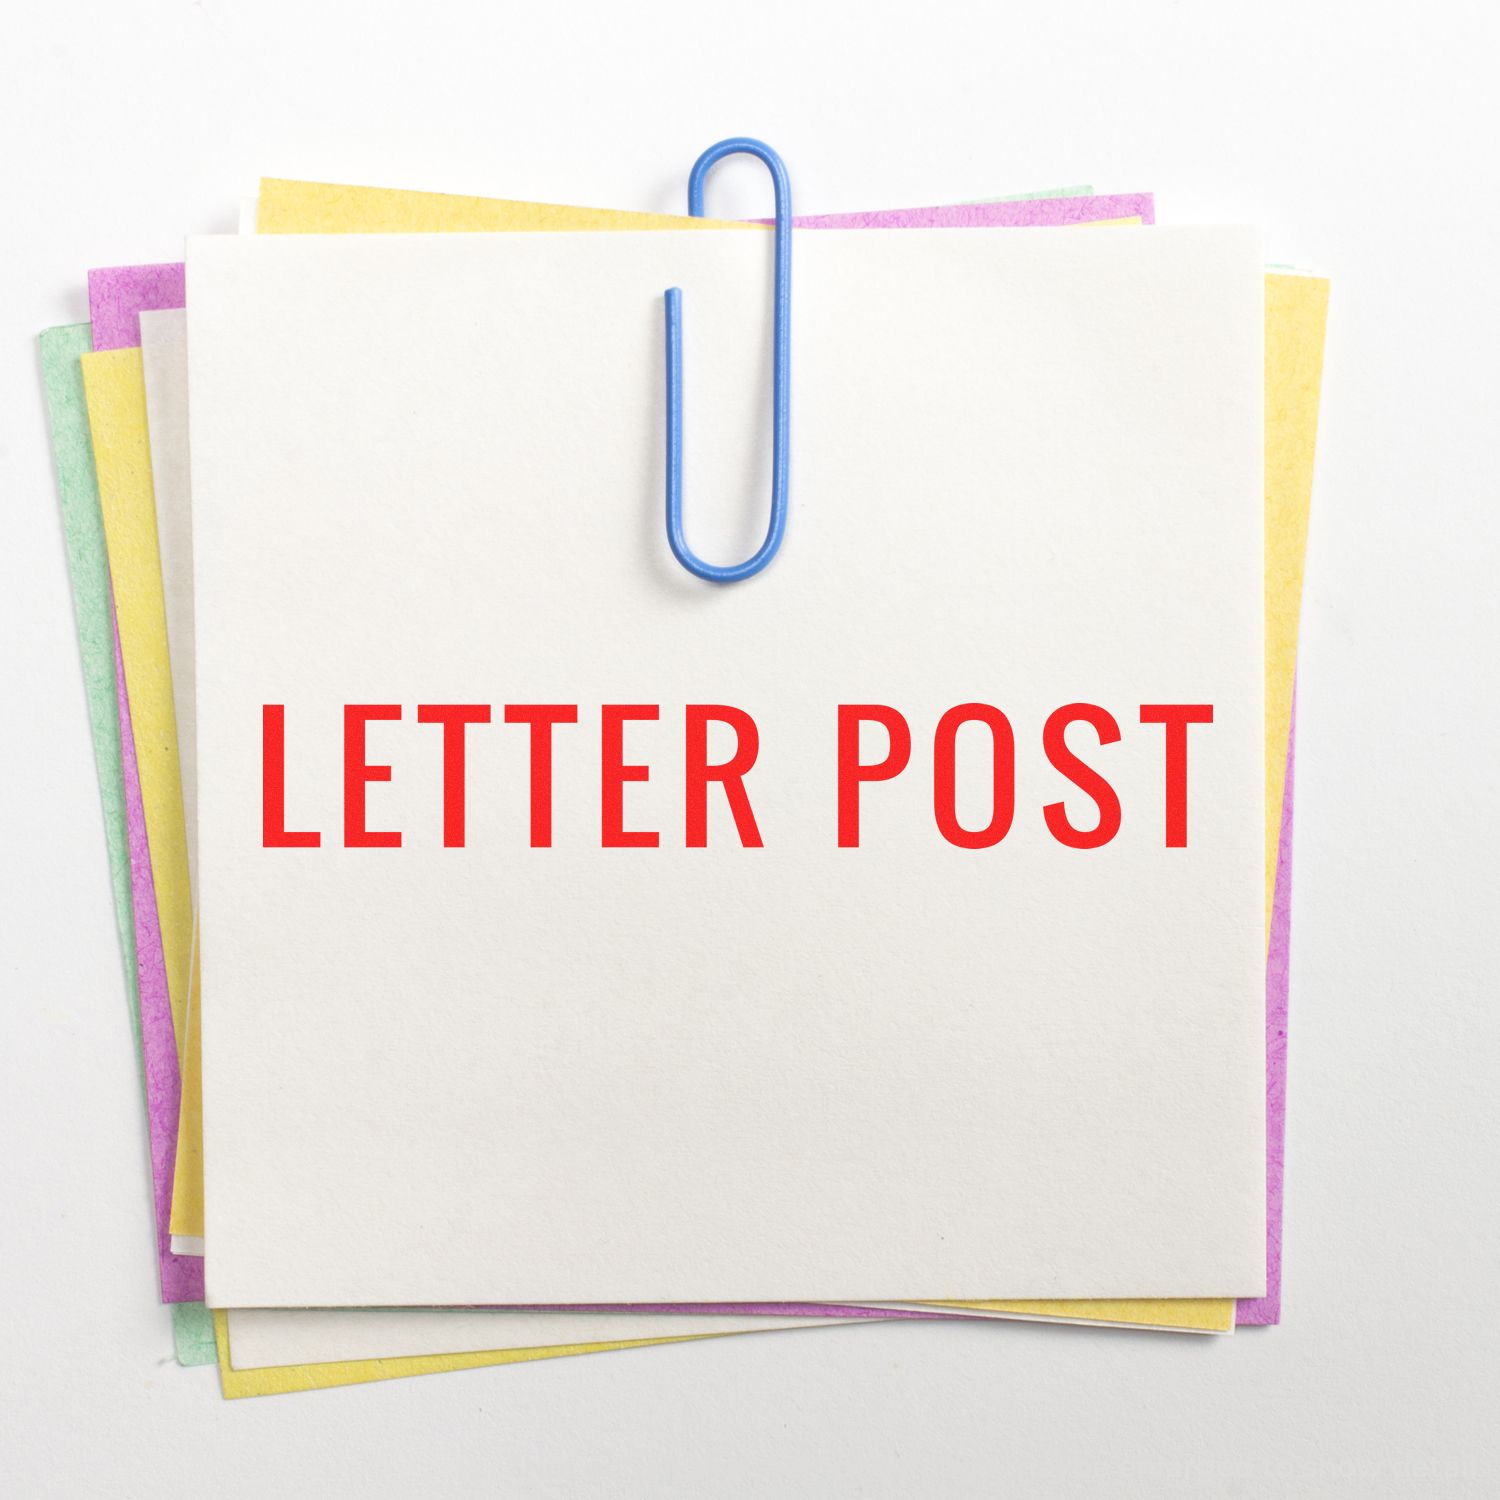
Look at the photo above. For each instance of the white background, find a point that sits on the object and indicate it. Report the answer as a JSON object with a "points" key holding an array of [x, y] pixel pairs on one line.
{"points": [[1362, 140]]}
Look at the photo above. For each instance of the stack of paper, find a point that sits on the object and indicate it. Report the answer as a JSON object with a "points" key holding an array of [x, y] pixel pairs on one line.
{"points": [[537, 951]]}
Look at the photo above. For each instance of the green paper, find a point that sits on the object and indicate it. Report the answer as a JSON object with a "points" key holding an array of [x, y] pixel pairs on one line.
{"points": [[193, 1332], [88, 568], [1063, 192]]}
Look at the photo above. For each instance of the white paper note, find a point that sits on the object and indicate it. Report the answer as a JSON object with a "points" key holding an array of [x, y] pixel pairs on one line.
{"points": [[1026, 473]]}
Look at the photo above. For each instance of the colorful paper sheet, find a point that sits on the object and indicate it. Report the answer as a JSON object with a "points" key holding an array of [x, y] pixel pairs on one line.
{"points": [[88, 568], [119, 294], [193, 1334], [1252, 1311]]}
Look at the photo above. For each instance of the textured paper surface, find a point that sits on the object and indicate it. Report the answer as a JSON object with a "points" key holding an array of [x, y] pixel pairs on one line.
{"points": [[1192, 301], [1015, 213], [88, 570], [193, 1334], [1252, 1311], [114, 754], [119, 294]]}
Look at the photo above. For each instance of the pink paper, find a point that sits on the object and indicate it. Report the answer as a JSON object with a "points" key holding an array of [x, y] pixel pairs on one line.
{"points": [[181, 1275], [1253, 1311], [119, 294], [1016, 214]]}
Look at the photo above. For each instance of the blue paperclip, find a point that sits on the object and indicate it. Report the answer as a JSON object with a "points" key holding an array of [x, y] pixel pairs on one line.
{"points": [[781, 368]]}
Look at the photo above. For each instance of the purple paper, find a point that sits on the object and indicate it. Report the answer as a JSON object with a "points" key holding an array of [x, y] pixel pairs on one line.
{"points": [[1260, 1311], [181, 1275], [118, 295], [1019, 213]]}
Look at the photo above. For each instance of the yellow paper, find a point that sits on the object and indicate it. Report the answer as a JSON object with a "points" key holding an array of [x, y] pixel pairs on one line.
{"points": [[1191, 1314], [116, 395], [327, 208], [276, 1380], [187, 1166], [1295, 312], [1296, 317]]}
